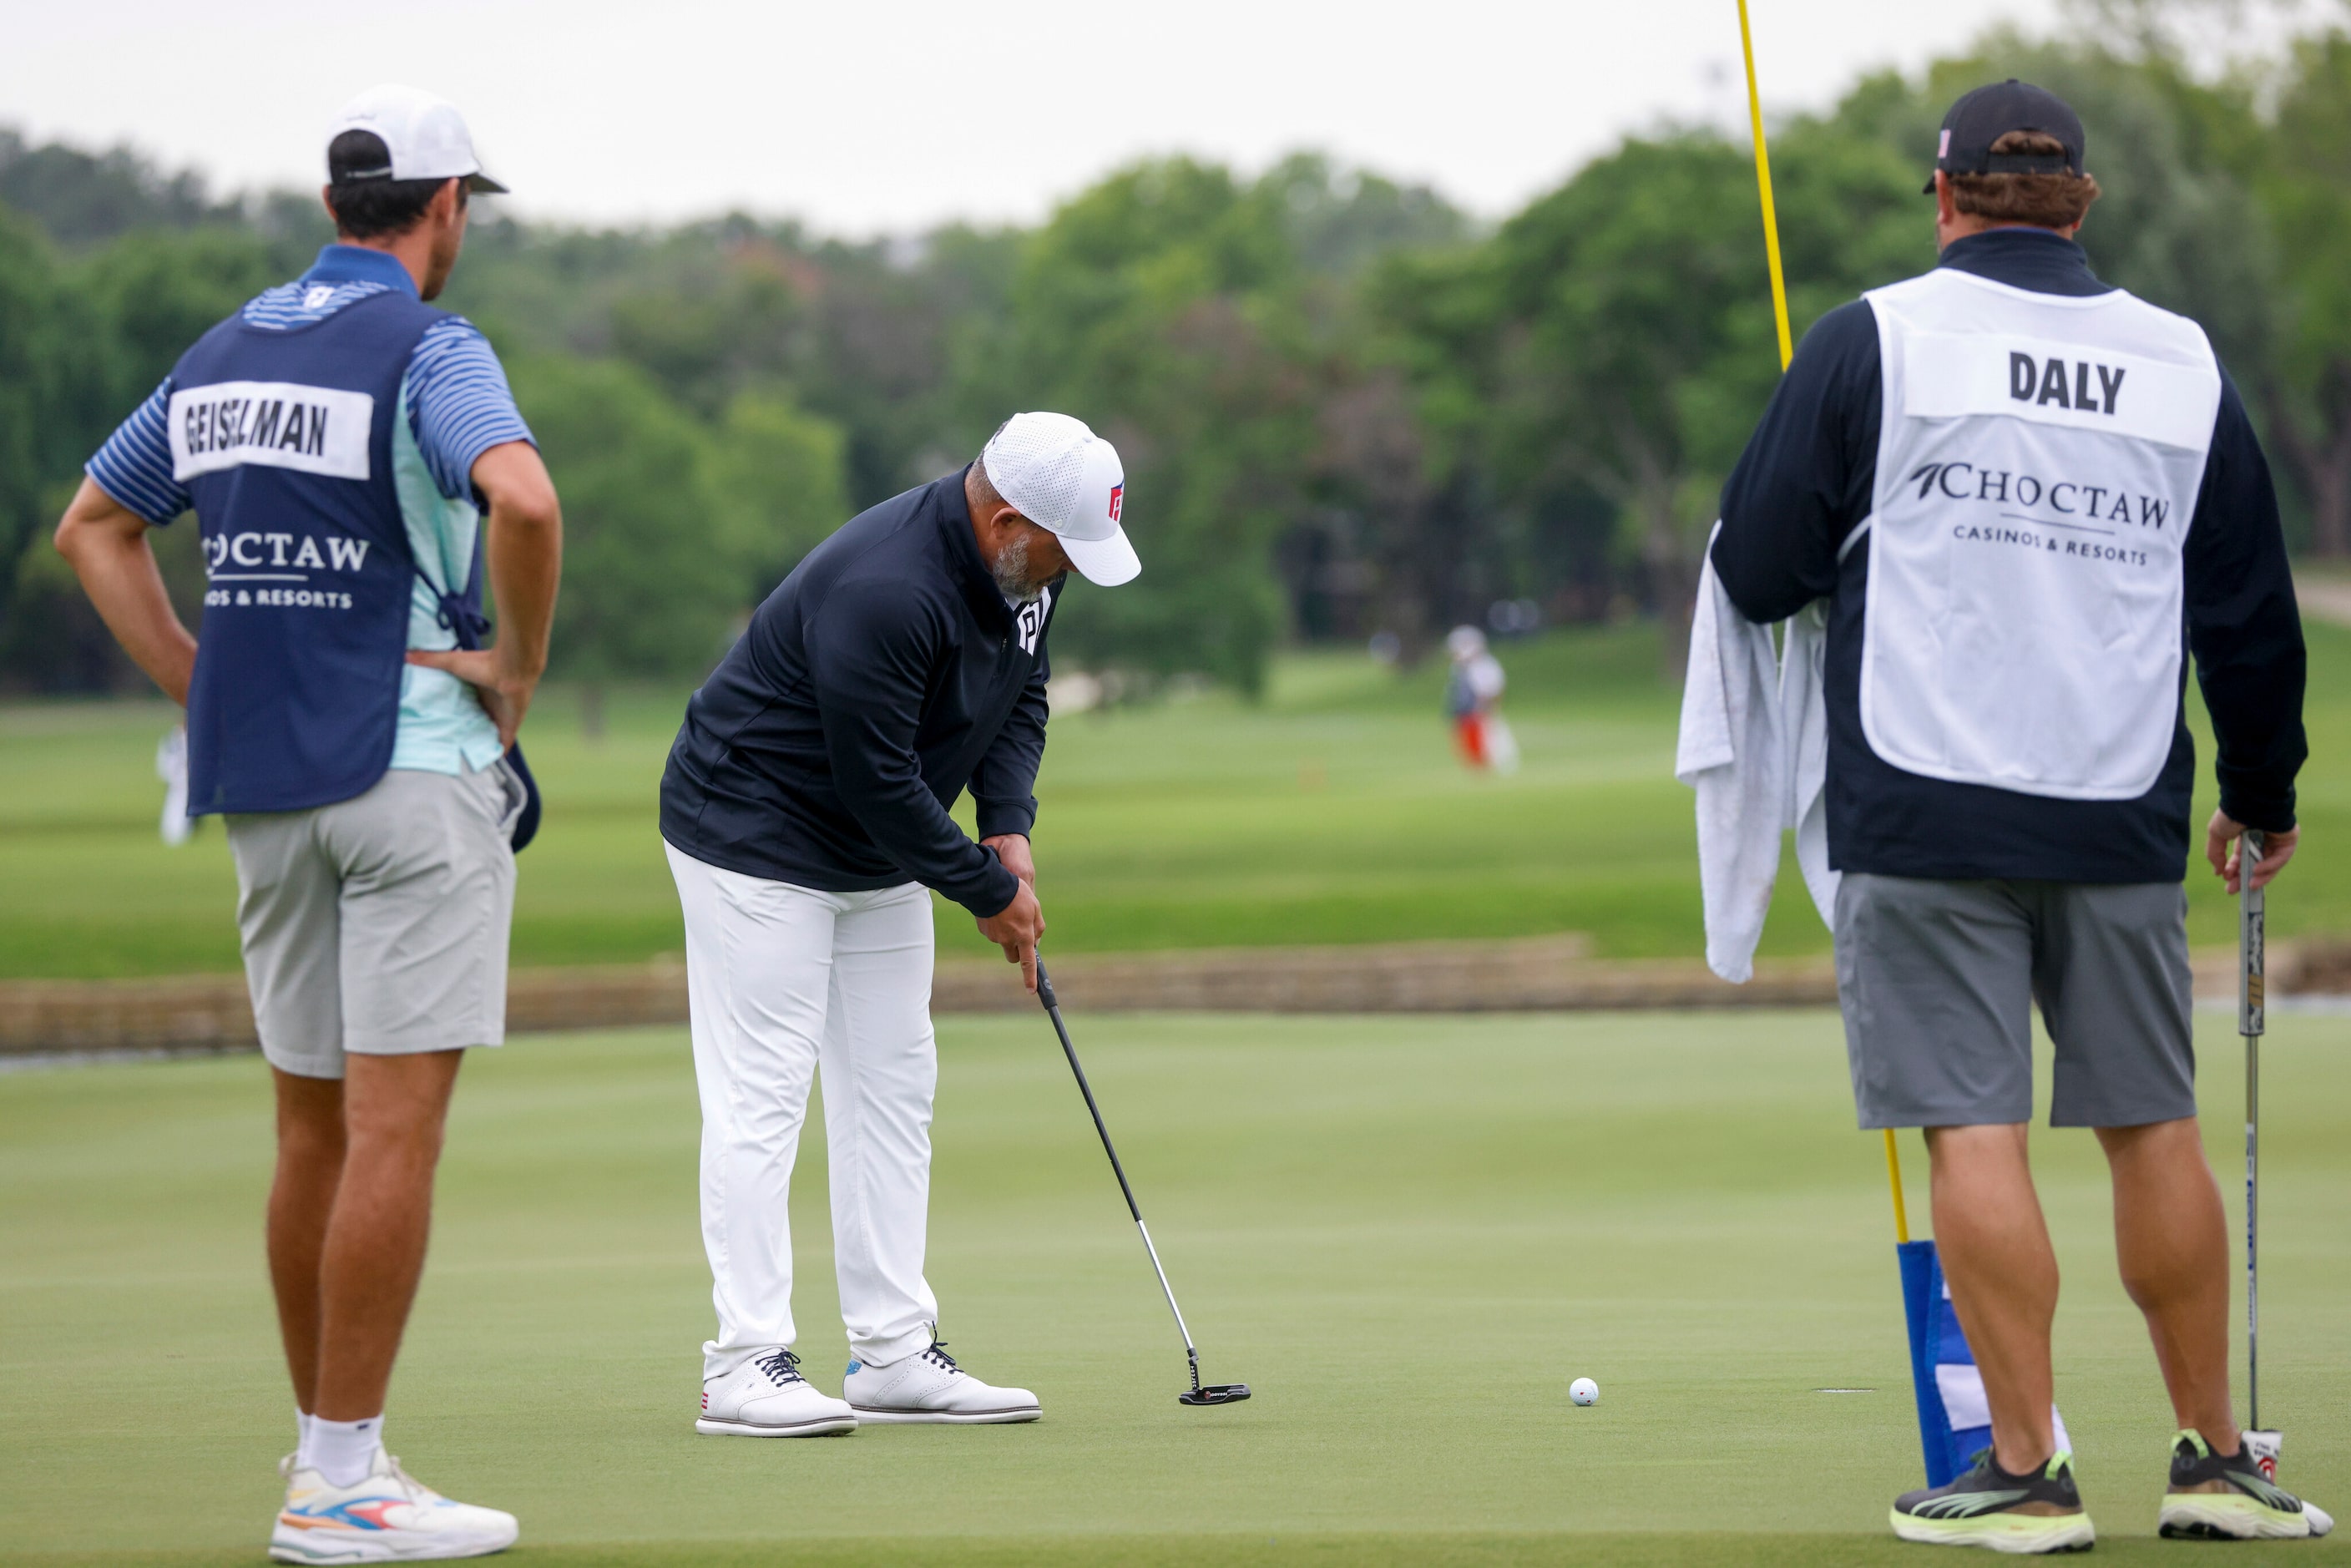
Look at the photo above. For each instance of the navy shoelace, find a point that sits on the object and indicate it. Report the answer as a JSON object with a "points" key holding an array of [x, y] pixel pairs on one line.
{"points": [[781, 1367], [938, 1356]]}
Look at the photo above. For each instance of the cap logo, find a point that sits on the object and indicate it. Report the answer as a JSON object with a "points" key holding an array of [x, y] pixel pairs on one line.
{"points": [[1944, 148], [1117, 499]]}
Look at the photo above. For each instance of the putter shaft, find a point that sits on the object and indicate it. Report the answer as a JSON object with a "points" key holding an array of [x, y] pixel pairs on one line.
{"points": [[1053, 1011], [2252, 1022]]}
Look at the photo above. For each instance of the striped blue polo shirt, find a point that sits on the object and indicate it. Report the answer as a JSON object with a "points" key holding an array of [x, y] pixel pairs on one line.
{"points": [[457, 406]]}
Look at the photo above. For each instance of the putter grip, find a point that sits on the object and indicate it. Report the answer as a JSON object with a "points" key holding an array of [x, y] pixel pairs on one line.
{"points": [[1045, 988]]}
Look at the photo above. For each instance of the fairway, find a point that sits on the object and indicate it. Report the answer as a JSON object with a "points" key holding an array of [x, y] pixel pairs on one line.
{"points": [[1331, 812], [1408, 1234]]}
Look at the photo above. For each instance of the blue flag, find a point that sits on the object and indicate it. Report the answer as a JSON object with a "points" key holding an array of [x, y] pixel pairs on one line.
{"points": [[1954, 1417]]}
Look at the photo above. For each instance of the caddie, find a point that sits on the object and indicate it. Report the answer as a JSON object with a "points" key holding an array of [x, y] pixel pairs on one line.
{"points": [[2028, 497], [805, 809], [340, 441]]}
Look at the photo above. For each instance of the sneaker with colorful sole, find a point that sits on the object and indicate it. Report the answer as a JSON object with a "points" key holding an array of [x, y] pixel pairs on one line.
{"points": [[387, 1516], [1986, 1506], [2214, 1497]]}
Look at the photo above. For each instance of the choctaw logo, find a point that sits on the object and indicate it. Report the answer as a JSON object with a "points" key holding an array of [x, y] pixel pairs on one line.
{"points": [[1117, 499]]}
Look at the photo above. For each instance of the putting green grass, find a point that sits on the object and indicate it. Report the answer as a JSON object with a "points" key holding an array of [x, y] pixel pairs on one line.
{"points": [[1331, 812], [1408, 1234]]}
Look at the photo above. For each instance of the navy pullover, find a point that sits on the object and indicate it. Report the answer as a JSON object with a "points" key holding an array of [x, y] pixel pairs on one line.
{"points": [[1808, 479], [884, 677]]}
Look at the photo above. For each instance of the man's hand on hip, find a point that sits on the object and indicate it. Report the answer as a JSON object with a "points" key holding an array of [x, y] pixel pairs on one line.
{"points": [[523, 548], [1017, 929], [2224, 839], [505, 694]]}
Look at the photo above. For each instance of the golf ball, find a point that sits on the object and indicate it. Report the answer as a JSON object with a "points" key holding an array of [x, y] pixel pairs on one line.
{"points": [[1583, 1391]]}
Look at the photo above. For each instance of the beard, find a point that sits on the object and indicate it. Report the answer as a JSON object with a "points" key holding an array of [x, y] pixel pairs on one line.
{"points": [[1011, 572]]}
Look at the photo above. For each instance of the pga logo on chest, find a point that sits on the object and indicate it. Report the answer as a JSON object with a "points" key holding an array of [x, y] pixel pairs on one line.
{"points": [[1029, 620]]}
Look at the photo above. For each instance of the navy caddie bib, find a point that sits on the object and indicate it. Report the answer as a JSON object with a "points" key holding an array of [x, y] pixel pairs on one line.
{"points": [[284, 438]]}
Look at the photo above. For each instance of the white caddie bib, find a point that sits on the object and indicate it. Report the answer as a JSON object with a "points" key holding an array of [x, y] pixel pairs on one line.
{"points": [[2037, 469]]}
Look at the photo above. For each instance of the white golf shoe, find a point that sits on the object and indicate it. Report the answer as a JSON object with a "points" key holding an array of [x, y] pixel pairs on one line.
{"points": [[767, 1397], [929, 1386], [387, 1516]]}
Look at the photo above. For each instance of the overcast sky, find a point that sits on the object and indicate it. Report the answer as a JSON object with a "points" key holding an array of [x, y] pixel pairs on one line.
{"points": [[863, 119]]}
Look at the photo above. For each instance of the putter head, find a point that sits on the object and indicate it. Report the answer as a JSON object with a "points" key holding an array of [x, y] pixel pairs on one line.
{"points": [[1215, 1393]]}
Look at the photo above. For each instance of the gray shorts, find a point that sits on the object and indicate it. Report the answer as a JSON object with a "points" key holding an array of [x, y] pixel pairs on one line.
{"points": [[378, 924], [1937, 981]]}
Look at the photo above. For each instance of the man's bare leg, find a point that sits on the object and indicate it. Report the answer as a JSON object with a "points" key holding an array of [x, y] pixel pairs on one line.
{"points": [[1995, 1251], [393, 1107], [301, 1200], [2171, 1239]]}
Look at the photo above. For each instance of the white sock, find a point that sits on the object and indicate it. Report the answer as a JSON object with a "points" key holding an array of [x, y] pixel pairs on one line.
{"points": [[343, 1452], [301, 1438]]}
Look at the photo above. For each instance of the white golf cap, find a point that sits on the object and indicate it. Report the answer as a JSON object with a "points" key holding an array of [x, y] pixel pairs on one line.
{"points": [[1065, 478], [425, 135]]}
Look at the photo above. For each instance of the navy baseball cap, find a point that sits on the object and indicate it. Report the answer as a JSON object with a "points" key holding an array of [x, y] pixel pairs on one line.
{"points": [[1984, 116]]}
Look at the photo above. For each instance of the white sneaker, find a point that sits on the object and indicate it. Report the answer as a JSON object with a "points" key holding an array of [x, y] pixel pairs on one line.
{"points": [[388, 1517], [767, 1397], [931, 1387]]}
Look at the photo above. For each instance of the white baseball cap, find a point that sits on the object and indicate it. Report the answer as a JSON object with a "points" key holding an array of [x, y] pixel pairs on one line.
{"points": [[425, 135], [1066, 479]]}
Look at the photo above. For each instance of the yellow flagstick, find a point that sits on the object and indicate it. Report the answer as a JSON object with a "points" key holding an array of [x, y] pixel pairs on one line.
{"points": [[1764, 185], [1894, 1175], [1787, 352]]}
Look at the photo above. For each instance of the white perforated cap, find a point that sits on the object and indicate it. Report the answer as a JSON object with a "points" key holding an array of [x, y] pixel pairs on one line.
{"points": [[425, 135], [1065, 478]]}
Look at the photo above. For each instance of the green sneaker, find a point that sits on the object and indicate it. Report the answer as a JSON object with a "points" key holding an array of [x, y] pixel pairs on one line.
{"points": [[1990, 1508], [2213, 1499]]}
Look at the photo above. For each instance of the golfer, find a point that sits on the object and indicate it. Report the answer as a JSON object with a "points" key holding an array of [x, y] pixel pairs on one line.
{"points": [[2027, 497], [336, 438], [805, 809]]}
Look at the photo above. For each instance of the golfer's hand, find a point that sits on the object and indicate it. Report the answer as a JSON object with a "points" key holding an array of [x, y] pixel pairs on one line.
{"points": [[1012, 849], [1017, 929], [2223, 846], [505, 695]]}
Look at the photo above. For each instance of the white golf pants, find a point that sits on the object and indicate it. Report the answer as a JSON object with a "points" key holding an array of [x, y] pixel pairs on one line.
{"points": [[784, 983]]}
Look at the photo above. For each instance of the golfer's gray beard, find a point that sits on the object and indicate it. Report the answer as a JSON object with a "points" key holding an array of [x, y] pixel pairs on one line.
{"points": [[1011, 571]]}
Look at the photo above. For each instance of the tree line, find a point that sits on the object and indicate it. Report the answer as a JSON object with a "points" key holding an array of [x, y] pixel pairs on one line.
{"points": [[1344, 407]]}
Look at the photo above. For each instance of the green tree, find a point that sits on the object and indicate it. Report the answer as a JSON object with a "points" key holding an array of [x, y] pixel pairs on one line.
{"points": [[1162, 308], [2304, 185], [780, 479], [51, 393], [650, 587], [1615, 339], [159, 290]]}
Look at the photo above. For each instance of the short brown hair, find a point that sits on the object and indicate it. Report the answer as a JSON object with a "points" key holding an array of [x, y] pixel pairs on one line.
{"points": [[2049, 201], [367, 202]]}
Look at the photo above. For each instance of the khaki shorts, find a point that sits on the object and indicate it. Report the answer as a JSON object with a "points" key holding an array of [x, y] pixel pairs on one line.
{"points": [[378, 924]]}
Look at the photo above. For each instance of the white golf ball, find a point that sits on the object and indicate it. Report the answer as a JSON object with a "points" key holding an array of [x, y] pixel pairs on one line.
{"points": [[1583, 1391]]}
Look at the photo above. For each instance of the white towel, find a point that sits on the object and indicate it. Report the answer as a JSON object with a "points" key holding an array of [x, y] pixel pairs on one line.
{"points": [[1805, 720], [1754, 748]]}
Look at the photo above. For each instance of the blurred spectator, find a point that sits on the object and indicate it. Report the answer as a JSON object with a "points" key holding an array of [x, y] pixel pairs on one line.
{"points": [[1473, 695]]}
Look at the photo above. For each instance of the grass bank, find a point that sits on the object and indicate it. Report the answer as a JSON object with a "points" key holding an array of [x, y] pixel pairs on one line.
{"points": [[1331, 812]]}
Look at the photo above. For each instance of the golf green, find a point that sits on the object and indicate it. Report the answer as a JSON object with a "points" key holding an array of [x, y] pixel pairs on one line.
{"points": [[1408, 1234]]}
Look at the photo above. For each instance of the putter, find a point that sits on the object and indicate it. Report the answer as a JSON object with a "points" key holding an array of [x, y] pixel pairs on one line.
{"points": [[2252, 1023], [1213, 1393]]}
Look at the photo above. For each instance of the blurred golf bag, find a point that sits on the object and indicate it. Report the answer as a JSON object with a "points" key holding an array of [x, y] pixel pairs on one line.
{"points": [[1954, 1417]]}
